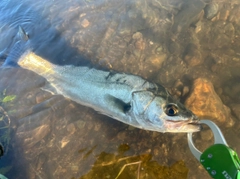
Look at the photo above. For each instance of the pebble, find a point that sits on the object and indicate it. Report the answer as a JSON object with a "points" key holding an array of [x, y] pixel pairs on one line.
{"points": [[40, 98], [81, 124], [64, 141], [71, 128], [74, 168], [206, 104], [221, 41], [157, 60], [131, 128], [122, 135], [156, 151], [159, 50], [229, 30], [185, 90], [30, 138], [97, 127], [137, 36], [85, 23], [223, 15], [140, 45], [211, 10]]}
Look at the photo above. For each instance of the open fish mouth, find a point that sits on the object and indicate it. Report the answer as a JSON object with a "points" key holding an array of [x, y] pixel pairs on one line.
{"points": [[183, 126]]}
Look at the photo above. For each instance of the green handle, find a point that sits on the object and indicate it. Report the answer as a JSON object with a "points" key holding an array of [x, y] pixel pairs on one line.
{"points": [[221, 162]]}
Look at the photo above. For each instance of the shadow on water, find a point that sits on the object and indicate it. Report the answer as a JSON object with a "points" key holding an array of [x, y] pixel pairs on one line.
{"points": [[44, 39], [48, 34]]}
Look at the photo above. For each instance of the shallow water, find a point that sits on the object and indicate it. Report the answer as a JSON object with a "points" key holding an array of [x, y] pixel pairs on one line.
{"points": [[163, 41]]}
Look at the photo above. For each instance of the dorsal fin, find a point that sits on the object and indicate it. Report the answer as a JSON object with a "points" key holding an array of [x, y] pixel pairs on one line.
{"points": [[22, 34], [18, 49]]}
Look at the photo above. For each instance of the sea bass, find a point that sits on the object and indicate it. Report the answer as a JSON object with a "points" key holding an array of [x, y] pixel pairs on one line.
{"points": [[124, 97]]}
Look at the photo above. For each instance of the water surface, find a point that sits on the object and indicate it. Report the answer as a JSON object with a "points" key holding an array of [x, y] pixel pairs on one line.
{"points": [[162, 41]]}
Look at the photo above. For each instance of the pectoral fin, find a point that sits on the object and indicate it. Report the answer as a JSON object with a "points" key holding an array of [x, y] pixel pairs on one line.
{"points": [[49, 88], [119, 105]]}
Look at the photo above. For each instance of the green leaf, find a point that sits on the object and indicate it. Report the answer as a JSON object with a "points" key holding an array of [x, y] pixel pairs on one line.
{"points": [[8, 98]]}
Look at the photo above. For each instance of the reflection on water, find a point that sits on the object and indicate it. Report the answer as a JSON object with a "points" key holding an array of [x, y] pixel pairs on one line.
{"points": [[176, 43]]}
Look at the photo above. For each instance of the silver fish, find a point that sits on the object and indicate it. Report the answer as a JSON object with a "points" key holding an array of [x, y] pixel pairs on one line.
{"points": [[124, 97]]}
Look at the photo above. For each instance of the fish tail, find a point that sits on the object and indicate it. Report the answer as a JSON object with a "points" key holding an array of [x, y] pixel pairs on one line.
{"points": [[18, 49]]}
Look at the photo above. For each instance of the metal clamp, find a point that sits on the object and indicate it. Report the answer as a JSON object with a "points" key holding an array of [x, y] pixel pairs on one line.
{"points": [[218, 138]]}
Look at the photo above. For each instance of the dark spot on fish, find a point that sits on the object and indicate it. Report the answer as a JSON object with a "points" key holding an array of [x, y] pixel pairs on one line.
{"points": [[144, 83], [153, 90], [119, 79], [110, 75], [126, 107]]}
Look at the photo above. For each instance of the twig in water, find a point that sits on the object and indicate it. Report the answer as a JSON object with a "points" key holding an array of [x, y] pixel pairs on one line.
{"points": [[133, 163]]}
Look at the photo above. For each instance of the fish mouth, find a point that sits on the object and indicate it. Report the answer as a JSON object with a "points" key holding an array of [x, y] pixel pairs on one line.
{"points": [[191, 125]]}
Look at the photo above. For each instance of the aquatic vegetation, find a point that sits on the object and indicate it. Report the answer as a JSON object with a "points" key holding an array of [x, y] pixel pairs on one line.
{"points": [[120, 166], [5, 122], [6, 98], [115, 167]]}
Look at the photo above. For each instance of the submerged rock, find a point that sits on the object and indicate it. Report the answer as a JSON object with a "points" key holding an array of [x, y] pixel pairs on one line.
{"points": [[206, 104], [211, 10]]}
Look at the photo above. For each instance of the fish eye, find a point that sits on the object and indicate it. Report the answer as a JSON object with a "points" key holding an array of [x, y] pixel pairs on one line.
{"points": [[171, 110]]}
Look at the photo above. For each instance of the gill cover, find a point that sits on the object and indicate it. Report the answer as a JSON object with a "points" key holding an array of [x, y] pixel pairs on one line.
{"points": [[141, 100], [146, 108]]}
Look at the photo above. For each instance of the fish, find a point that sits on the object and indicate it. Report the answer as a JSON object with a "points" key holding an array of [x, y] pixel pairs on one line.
{"points": [[127, 98]]}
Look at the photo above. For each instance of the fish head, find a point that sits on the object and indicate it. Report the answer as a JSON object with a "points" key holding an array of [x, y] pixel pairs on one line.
{"points": [[160, 112]]}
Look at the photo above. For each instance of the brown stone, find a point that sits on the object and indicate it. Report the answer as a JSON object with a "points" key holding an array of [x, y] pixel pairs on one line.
{"points": [[85, 23], [140, 44], [206, 104], [30, 138]]}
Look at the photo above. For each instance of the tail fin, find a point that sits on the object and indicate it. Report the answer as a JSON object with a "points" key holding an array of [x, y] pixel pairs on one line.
{"points": [[18, 49]]}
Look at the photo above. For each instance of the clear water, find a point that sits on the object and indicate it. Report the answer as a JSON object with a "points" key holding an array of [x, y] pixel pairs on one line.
{"points": [[53, 137]]}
